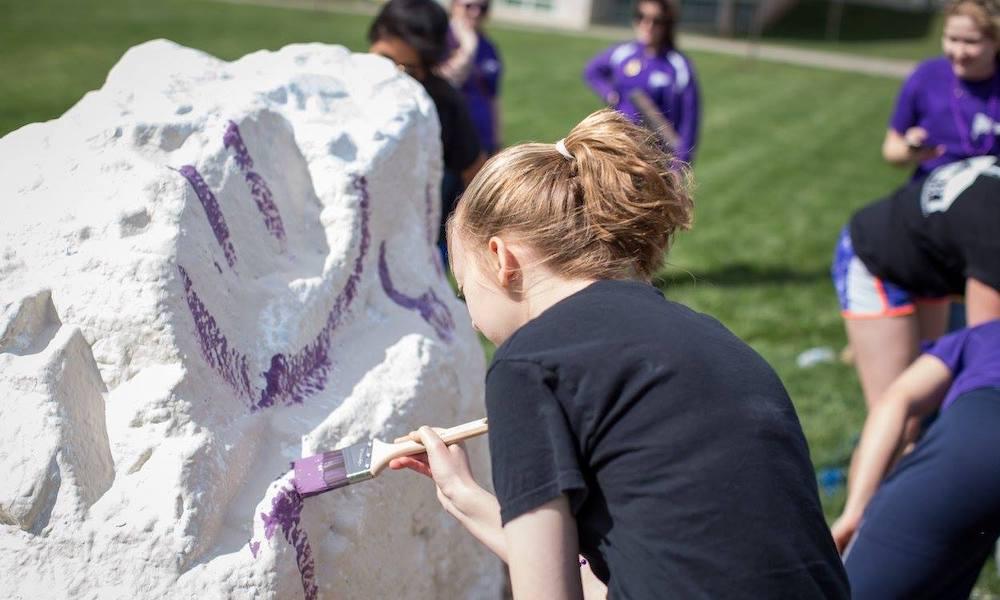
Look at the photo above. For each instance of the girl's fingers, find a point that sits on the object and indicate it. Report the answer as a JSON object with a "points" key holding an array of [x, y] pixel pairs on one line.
{"points": [[436, 448], [414, 463]]}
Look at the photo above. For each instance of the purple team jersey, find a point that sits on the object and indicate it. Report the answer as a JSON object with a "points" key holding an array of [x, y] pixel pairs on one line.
{"points": [[973, 357], [481, 89], [667, 77], [960, 115]]}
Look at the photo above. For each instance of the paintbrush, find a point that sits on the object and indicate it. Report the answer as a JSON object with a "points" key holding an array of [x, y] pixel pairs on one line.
{"points": [[362, 461]]}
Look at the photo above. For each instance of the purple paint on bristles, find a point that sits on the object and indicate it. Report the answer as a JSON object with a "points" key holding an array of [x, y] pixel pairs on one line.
{"points": [[259, 189], [291, 378], [254, 548], [431, 308], [286, 514], [230, 364], [212, 211]]}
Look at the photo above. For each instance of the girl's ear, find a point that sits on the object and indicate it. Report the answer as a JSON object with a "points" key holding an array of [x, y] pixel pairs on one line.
{"points": [[506, 266]]}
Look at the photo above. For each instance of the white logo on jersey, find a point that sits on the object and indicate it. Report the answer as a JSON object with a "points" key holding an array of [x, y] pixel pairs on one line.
{"points": [[659, 79], [946, 183], [982, 124], [622, 52]]}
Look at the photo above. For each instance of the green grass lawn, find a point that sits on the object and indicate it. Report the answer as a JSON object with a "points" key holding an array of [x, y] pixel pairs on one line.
{"points": [[787, 153]]}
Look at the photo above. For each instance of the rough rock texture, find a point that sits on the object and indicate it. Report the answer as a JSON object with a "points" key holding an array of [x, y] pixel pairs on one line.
{"points": [[207, 270]]}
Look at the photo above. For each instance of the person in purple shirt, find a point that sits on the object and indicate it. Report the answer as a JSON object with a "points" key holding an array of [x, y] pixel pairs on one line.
{"points": [[949, 107], [475, 68], [651, 66], [928, 528]]}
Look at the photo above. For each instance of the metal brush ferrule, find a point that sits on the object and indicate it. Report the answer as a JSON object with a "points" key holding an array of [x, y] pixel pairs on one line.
{"points": [[358, 462]]}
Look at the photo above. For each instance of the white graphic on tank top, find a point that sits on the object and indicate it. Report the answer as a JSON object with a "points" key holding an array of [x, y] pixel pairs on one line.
{"points": [[946, 183]]}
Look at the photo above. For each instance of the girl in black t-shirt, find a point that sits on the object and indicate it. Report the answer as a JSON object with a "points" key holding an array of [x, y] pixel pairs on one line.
{"points": [[639, 449]]}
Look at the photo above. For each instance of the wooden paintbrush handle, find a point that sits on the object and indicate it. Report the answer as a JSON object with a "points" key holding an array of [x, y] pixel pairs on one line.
{"points": [[476, 427], [382, 453], [450, 436], [414, 436]]}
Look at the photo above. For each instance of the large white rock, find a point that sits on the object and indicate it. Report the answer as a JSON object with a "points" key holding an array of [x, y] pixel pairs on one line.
{"points": [[207, 270]]}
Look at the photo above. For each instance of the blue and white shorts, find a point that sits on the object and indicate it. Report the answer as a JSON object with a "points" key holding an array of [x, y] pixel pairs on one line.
{"points": [[863, 295]]}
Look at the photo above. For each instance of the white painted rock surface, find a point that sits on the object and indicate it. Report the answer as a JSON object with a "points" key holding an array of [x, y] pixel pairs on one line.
{"points": [[207, 270]]}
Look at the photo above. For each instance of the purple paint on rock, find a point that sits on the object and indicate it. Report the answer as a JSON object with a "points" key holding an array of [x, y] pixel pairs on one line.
{"points": [[286, 514], [259, 189], [212, 211], [291, 378], [231, 365], [431, 308]]}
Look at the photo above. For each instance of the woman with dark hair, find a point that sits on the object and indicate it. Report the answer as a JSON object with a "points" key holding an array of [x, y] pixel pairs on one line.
{"points": [[414, 35], [650, 81]]}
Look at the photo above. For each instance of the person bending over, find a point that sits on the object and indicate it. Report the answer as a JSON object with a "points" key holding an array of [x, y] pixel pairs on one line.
{"points": [[900, 259], [925, 530], [624, 427]]}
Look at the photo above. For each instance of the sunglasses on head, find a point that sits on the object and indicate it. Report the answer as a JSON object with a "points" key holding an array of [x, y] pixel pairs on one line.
{"points": [[655, 21], [482, 7]]}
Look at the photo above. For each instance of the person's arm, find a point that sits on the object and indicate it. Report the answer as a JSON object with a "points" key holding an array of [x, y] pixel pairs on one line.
{"points": [[455, 70], [688, 123], [906, 143], [982, 302], [543, 553], [598, 75], [909, 149], [915, 393], [475, 508]]}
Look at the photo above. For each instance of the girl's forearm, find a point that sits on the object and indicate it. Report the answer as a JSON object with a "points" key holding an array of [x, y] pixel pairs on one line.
{"points": [[880, 440], [479, 512]]}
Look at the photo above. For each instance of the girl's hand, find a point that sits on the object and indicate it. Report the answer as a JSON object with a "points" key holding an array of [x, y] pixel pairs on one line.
{"points": [[843, 530], [917, 147], [448, 466], [475, 508], [909, 148]]}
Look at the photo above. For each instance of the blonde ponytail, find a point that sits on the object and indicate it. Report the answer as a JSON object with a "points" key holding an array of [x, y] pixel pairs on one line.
{"points": [[607, 208]]}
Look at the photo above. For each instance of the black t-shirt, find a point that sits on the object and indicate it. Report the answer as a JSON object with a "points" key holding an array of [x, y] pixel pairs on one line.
{"points": [[459, 141], [458, 134], [930, 235], [676, 444]]}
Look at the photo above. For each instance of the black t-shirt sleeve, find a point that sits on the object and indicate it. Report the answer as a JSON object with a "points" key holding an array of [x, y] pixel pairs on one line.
{"points": [[532, 448]]}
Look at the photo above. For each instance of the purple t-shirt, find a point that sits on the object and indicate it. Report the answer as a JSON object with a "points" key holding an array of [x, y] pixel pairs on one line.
{"points": [[667, 78], [963, 116], [480, 90], [973, 357]]}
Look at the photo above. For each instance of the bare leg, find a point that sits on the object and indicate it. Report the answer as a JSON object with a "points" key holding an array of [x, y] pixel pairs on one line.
{"points": [[883, 347], [932, 319], [982, 302]]}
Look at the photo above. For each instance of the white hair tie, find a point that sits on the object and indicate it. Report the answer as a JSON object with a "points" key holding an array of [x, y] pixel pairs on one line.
{"points": [[561, 148]]}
